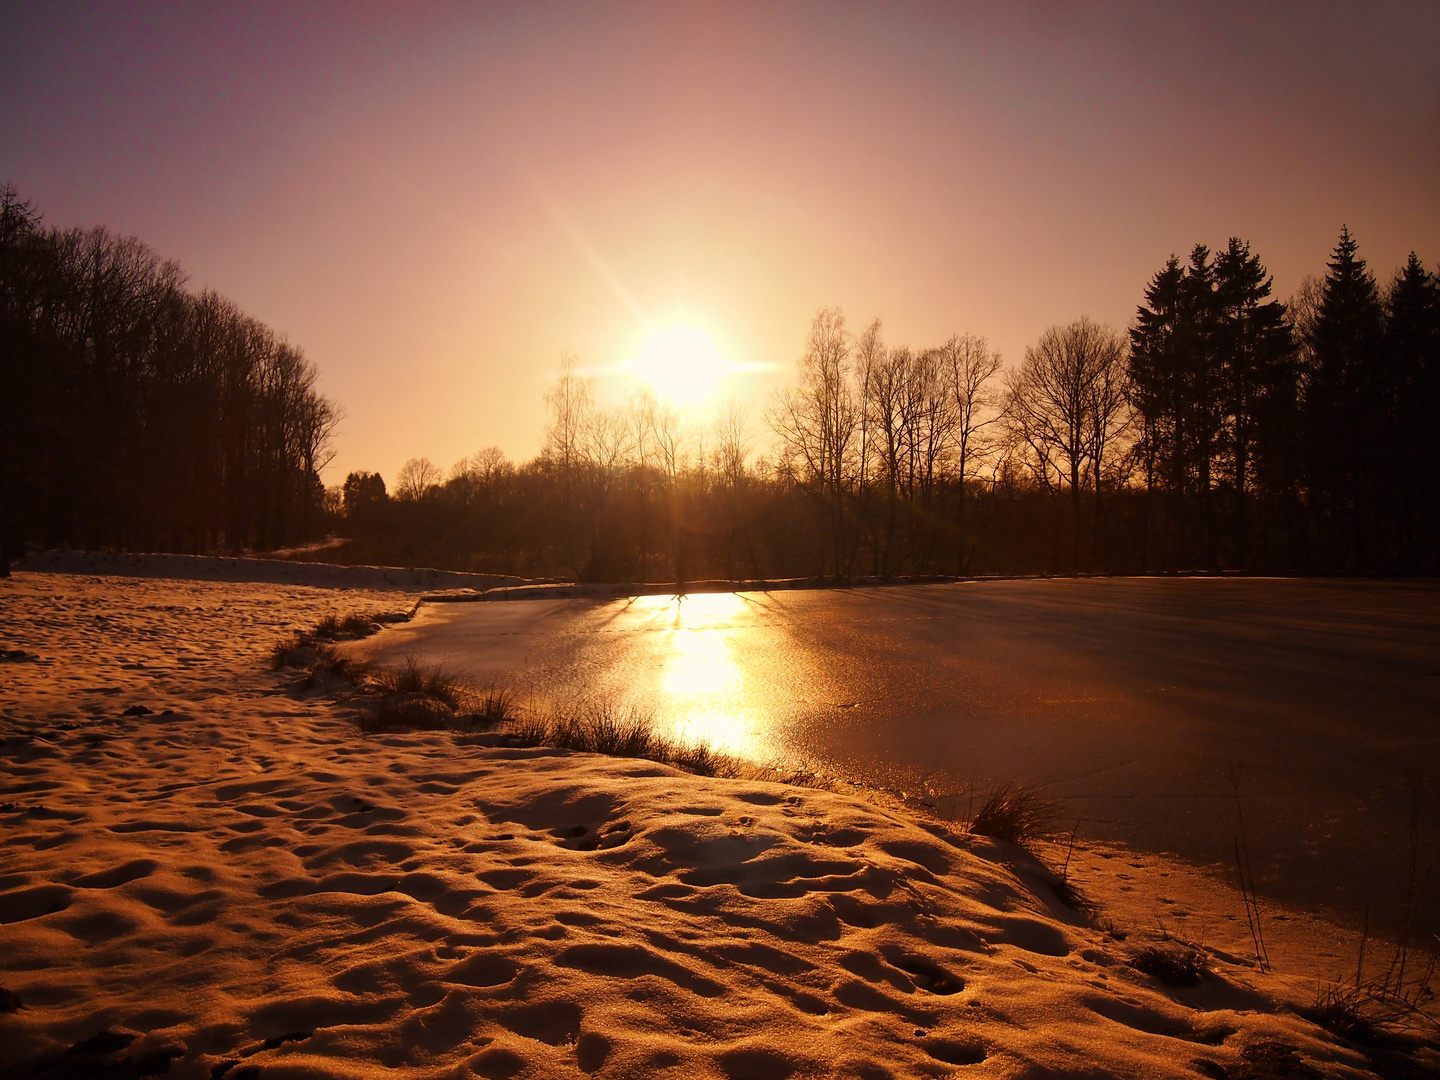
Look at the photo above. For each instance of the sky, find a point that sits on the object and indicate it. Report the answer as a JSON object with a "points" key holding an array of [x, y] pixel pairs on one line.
{"points": [[437, 201]]}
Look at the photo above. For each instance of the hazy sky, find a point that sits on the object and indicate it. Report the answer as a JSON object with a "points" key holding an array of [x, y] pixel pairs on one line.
{"points": [[435, 201]]}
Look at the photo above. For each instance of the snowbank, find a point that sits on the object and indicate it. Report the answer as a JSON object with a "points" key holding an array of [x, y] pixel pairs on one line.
{"points": [[268, 571]]}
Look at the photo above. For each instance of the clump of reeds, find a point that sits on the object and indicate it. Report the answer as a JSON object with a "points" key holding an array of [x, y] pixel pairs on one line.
{"points": [[617, 732], [316, 657], [330, 661], [430, 698], [306, 648], [347, 628], [493, 706], [1375, 1010], [1014, 813], [431, 683]]}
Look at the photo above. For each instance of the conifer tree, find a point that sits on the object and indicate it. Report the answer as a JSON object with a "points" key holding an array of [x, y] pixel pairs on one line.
{"points": [[1342, 404], [1258, 379], [1411, 398]]}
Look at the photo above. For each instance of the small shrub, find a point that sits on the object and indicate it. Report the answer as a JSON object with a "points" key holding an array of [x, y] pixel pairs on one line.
{"points": [[1013, 813], [1172, 966]]}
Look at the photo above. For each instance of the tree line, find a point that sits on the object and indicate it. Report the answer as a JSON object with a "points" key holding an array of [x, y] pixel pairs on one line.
{"points": [[136, 414], [1224, 431]]}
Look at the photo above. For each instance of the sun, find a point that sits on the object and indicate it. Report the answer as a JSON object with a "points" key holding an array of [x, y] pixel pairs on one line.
{"points": [[681, 363]]}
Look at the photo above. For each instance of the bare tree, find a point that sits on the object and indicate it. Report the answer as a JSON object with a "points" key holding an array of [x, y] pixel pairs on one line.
{"points": [[885, 418], [641, 412], [1302, 312], [932, 421], [606, 443], [672, 455], [570, 401], [733, 442], [1109, 429], [416, 478], [869, 356], [489, 464], [969, 368], [817, 421], [1051, 405], [912, 416]]}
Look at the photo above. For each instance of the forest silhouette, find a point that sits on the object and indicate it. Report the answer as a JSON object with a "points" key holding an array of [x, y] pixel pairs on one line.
{"points": [[138, 415], [1226, 431]]}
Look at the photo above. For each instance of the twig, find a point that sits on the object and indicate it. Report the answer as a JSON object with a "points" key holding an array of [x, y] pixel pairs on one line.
{"points": [[1065, 870], [1247, 876]]}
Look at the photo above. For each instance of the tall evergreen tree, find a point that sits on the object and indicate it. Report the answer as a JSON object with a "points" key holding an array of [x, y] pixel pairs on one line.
{"points": [[1342, 407], [1155, 365], [1258, 380], [1411, 399], [1174, 361]]}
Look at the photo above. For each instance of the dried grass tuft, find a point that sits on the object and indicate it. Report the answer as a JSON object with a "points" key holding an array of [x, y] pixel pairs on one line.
{"points": [[414, 680], [1014, 813], [1172, 965]]}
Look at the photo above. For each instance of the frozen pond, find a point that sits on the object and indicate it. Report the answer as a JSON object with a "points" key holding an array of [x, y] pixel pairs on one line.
{"points": [[1132, 701]]}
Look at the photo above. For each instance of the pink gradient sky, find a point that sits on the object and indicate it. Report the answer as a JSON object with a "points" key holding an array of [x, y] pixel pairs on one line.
{"points": [[409, 191]]}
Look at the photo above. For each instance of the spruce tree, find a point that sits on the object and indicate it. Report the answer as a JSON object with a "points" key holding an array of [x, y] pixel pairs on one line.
{"points": [[1411, 401], [1342, 407], [1258, 381], [1156, 376]]}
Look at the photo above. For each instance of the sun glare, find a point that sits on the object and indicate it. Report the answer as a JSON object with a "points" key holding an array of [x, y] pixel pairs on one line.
{"points": [[681, 363]]}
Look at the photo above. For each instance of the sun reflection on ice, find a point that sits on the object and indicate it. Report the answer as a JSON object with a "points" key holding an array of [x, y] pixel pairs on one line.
{"points": [[700, 686]]}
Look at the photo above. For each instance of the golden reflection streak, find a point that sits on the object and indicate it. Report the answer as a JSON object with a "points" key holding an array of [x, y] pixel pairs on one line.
{"points": [[701, 687]]}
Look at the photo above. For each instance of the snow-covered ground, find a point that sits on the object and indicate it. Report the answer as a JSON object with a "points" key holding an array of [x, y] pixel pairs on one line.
{"points": [[234, 880]]}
